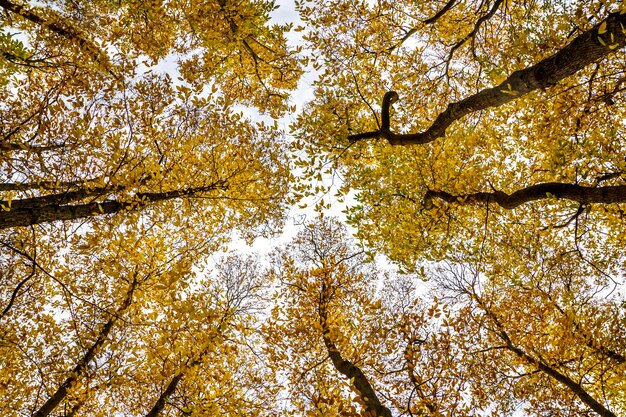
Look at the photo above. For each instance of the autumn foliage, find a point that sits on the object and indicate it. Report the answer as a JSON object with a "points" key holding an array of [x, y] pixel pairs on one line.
{"points": [[479, 146]]}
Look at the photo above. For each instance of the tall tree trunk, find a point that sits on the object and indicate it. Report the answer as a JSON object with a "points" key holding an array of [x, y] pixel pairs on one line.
{"points": [[84, 361], [159, 405], [349, 369], [51, 208]]}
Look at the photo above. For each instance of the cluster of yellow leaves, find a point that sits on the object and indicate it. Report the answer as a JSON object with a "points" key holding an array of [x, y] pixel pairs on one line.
{"points": [[126, 118], [138, 304], [108, 313], [571, 132], [434, 54]]}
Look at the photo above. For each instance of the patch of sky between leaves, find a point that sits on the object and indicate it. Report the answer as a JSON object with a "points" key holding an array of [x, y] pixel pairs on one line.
{"points": [[286, 13]]}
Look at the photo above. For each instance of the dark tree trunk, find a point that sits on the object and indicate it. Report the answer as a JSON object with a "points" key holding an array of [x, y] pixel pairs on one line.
{"points": [[350, 370], [159, 405], [562, 191], [80, 368], [54, 207]]}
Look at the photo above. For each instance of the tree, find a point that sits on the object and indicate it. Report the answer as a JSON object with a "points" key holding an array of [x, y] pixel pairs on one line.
{"points": [[513, 159], [91, 128], [195, 348], [307, 323], [66, 327], [328, 332], [118, 180], [144, 335], [552, 342], [527, 95], [482, 343]]}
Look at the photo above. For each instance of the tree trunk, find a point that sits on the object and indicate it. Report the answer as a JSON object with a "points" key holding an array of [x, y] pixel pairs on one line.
{"points": [[89, 355], [350, 370], [50, 208], [160, 403]]}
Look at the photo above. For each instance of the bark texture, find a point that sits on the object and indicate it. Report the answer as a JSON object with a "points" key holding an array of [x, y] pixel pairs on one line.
{"points": [[589, 47], [8, 147], [54, 207], [581, 194]]}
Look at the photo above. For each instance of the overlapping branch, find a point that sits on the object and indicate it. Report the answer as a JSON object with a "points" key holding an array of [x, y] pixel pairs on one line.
{"points": [[549, 370], [66, 31]]}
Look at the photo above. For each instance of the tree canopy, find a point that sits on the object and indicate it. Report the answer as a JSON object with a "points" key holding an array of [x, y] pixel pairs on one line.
{"points": [[479, 146]]}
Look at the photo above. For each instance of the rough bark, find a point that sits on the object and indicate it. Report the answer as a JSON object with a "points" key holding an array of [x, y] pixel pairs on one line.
{"points": [[84, 361], [562, 191], [589, 47], [51, 208], [60, 198], [350, 370]]}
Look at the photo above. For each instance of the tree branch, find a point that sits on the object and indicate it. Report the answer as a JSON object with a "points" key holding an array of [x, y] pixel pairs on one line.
{"points": [[43, 185], [7, 147], [159, 405], [561, 191], [589, 47], [428, 21], [441, 12], [69, 32], [575, 387], [16, 291], [585, 336], [472, 34]]}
